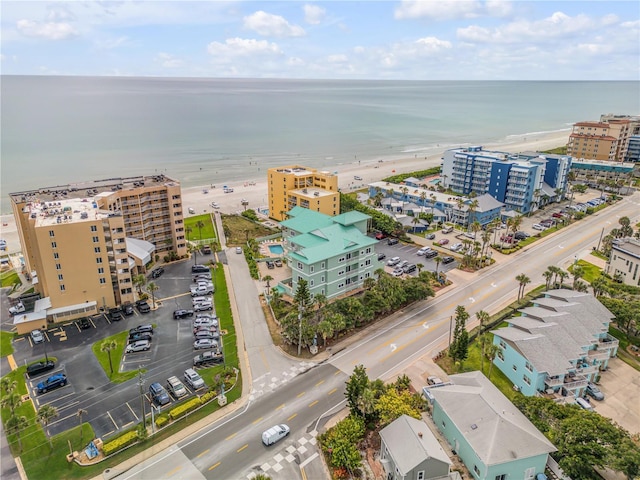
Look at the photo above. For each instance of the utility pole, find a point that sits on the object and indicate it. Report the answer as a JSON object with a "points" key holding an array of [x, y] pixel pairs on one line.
{"points": [[140, 384], [299, 328], [600, 240], [450, 323]]}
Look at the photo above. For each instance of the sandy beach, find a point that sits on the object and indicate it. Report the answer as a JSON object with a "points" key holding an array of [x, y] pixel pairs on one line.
{"points": [[254, 191]]}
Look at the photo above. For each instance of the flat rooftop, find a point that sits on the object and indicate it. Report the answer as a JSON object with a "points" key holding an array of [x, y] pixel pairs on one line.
{"points": [[312, 192], [301, 171]]}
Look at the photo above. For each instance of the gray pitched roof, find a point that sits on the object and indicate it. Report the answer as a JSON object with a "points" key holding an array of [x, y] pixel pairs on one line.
{"points": [[486, 202], [410, 442], [491, 424]]}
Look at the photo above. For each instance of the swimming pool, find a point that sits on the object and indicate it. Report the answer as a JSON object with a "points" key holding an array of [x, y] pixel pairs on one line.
{"points": [[276, 249]]}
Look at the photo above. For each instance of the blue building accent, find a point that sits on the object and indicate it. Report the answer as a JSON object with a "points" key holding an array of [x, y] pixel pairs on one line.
{"points": [[556, 347]]}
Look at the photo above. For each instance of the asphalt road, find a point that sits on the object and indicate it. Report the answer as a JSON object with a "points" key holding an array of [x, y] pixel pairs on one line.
{"points": [[231, 448]]}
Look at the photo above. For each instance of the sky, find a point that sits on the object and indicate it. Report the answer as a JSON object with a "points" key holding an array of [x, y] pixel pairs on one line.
{"points": [[400, 40]]}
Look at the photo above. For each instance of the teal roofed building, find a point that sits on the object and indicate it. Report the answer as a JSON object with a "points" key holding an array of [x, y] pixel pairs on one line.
{"points": [[333, 254]]}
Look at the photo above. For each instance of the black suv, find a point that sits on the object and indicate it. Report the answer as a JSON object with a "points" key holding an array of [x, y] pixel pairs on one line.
{"points": [[392, 241], [143, 306], [178, 314], [409, 268], [270, 264], [381, 256], [84, 323], [446, 260], [115, 314], [135, 337], [40, 367], [199, 269], [156, 272], [206, 250], [127, 308], [431, 254], [207, 358], [148, 328]]}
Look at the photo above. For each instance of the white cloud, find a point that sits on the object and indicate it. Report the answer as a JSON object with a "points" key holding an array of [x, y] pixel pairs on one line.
{"points": [[269, 25], [295, 61], [111, 43], [432, 44], [242, 47], [59, 13], [169, 61], [49, 30], [524, 31], [339, 58], [313, 14], [452, 9]]}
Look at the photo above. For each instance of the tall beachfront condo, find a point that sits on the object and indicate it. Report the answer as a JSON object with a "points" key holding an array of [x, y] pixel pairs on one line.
{"points": [[606, 140], [633, 151], [297, 186], [523, 182], [83, 242]]}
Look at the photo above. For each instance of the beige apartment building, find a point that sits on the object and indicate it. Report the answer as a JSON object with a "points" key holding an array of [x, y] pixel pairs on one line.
{"points": [[74, 243], [297, 186], [606, 140], [624, 261]]}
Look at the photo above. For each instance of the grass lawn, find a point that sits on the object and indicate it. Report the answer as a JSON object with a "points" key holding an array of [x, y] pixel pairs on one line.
{"points": [[206, 232], [6, 347], [223, 311], [599, 255], [239, 229], [116, 355], [591, 271], [8, 279]]}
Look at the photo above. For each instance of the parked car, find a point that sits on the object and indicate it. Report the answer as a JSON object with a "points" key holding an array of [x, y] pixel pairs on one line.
{"points": [[199, 269], [403, 263], [205, 344], [192, 379], [431, 254], [448, 229], [116, 314], [521, 235], [127, 309], [84, 323], [392, 241], [147, 328], [447, 260], [157, 272], [205, 333], [430, 236], [206, 250], [201, 290], [139, 346], [456, 247], [40, 367], [203, 306], [270, 264], [54, 381], [433, 380], [239, 250], [205, 322], [17, 308], [397, 272], [207, 358], [143, 306], [158, 394], [584, 403], [37, 336], [537, 226], [381, 256], [179, 314], [136, 337], [594, 392], [393, 261], [275, 434], [443, 241], [278, 262], [556, 215], [176, 387], [207, 328], [409, 268], [423, 250], [202, 276], [380, 236]]}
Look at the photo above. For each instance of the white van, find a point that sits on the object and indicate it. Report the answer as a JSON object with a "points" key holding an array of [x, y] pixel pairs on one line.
{"points": [[584, 403], [448, 229], [191, 210], [275, 434]]}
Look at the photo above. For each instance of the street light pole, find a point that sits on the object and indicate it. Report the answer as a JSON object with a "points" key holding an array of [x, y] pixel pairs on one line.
{"points": [[140, 383], [299, 331]]}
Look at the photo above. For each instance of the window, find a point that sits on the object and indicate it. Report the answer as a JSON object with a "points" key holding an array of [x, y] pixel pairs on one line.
{"points": [[60, 277], [100, 270], [99, 260], [420, 475], [503, 344], [322, 265], [96, 239], [311, 283], [476, 470], [58, 266], [52, 233], [528, 366], [94, 228], [62, 287], [322, 279], [341, 259], [340, 285], [515, 367], [500, 355], [341, 272], [311, 268], [56, 255], [96, 249], [368, 250], [502, 477], [526, 380], [103, 281], [54, 245], [299, 266]]}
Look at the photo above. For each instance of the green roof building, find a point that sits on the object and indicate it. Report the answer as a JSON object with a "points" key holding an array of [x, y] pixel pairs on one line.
{"points": [[333, 254]]}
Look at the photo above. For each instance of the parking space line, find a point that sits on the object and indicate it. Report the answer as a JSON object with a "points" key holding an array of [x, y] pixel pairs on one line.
{"points": [[134, 413], [114, 422], [12, 362], [125, 425]]}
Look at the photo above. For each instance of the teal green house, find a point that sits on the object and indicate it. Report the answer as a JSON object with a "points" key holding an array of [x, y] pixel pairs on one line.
{"points": [[489, 434], [333, 254]]}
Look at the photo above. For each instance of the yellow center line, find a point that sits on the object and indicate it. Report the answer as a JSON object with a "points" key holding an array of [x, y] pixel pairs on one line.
{"points": [[231, 436], [301, 394], [337, 373], [214, 466], [387, 343], [292, 416], [202, 453], [175, 470], [255, 421], [416, 338], [242, 447], [280, 407], [313, 403], [332, 391], [320, 383]]}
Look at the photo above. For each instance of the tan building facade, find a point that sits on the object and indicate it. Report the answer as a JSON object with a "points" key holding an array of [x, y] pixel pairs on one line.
{"points": [[606, 140], [73, 239], [297, 186], [624, 261]]}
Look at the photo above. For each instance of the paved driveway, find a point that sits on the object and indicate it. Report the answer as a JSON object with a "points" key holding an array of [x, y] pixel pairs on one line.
{"points": [[621, 387]]}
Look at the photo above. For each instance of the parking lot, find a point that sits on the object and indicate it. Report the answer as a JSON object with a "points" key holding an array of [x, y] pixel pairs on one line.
{"points": [[409, 253], [112, 407]]}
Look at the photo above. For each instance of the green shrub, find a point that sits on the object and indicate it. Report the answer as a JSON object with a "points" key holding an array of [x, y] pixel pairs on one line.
{"points": [[250, 214], [185, 408], [120, 442], [162, 420], [208, 396]]}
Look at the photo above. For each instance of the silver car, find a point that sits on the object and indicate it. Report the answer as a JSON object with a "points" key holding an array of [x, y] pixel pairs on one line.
{"points": [[139, 346], [205, 344]]}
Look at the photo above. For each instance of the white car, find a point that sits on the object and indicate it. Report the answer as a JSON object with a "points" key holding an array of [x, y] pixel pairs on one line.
{"points": [[17, 308], [176, 387], [239, 250], [215, 205], [205, 322], [192, 379], [139, 346], [201, 299], [205, 344], [275, 434], [393, 261], [397, 272], [201, 290], [537, 226], [37, 336], [202, 306], [423, 250], [456, 247]]}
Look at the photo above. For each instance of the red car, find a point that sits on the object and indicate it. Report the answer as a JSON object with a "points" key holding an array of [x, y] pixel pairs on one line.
{"points": [[444, 241], [557, 215], [380, 236]]}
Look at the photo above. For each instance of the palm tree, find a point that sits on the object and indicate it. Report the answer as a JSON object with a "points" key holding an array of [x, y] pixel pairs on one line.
{"points": [[8, 385], [547, 274], [492, 351], [415, 220], [523, 281], [152, 288], [188, 230], [139, 281], [200, 225], [191, 248], [563, 276], [79, 414], [16, 424], [419, 266], [438, 260], [404, 191], [11, 401], [46, 413], [325, 327], [578, 272], [473, 206], [107, 346], [267, 278]]}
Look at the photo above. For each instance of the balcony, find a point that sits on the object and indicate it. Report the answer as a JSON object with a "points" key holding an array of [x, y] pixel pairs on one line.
{"points": [[587, 370], [575, 383], [553, 381], [608, 342], [598, 356]]}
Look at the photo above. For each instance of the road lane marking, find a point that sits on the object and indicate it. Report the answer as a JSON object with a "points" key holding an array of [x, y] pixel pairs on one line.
{"points": [[232, 435], [309, 460], [402, 347], [320, 383], [256, 421], [292, 416], [126, 425], [332, 391], [175, 470], [280, 407], [300, 394], [313, 403], [338, 372], [214, 466], [202, 453], [242, 448]]}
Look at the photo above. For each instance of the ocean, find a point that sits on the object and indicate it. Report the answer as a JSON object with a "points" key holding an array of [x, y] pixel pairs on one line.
{"points": [[57, 130]]}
